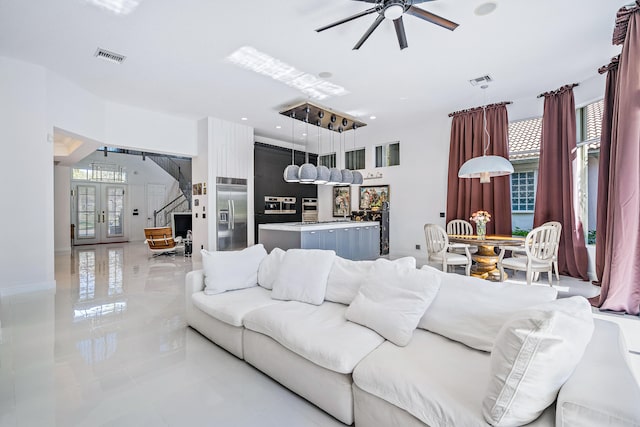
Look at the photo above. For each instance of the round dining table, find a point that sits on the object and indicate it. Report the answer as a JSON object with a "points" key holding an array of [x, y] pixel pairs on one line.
{"points": [[486, 259]]}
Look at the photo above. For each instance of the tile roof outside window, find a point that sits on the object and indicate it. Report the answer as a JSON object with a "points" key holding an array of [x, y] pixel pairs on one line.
{"points": [[525, 135]]}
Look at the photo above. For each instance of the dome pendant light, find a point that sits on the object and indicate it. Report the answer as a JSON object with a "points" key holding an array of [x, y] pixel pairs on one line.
{"points": [[308, 172], [290, 173], [485, 167], [334, 173], [323, 171], [347, 175]]}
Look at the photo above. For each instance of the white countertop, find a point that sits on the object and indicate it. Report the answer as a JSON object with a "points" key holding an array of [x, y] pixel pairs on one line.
{"points": [[329, 225]]}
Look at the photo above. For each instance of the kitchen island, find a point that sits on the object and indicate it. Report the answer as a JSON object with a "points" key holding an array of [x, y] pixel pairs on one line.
{"points": [[356, 240]]}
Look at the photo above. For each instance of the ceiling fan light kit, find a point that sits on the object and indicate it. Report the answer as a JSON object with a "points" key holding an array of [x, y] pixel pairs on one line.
{"points": [[393, 10]]}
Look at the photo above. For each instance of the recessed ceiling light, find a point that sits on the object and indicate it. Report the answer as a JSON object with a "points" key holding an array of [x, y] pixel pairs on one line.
{"points": [[304, 134], [278, 127], [244, 119], [485, 8], [372, 117]]}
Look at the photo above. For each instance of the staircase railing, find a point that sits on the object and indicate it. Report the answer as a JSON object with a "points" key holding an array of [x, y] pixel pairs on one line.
{"points": [[174, 169], [164, 213]]}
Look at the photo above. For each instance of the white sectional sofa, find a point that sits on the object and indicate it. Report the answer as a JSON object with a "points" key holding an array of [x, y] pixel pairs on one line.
{"points": [[440, 378]]}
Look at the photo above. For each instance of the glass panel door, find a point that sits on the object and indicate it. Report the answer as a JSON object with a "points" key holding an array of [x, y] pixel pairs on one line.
{"points": [[99, 213], [115, 211], [86, 212]]}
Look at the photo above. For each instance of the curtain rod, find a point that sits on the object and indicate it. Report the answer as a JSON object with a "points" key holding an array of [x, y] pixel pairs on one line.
{"points": [[614, 63], [560, 90], [498, 104]]}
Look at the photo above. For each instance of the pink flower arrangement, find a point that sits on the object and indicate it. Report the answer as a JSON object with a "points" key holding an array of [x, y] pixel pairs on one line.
{"points": [[481, 217]]}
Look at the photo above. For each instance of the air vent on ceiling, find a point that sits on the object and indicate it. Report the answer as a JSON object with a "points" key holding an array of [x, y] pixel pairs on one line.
{"points": [[109, 56], [481, 80]]}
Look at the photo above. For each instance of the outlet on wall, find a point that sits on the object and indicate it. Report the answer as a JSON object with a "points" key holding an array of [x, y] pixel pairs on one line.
{"points": [[417, 246], [441, 214]]}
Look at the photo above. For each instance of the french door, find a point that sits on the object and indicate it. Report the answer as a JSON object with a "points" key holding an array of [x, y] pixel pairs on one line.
{"points": [[98, 213]]}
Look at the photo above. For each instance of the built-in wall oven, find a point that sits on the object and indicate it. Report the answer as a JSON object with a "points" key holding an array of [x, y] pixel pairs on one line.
{"points": [[279, 205], [309, 210]]}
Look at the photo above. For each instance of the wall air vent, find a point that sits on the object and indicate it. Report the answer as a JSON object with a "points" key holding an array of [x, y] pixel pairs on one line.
{"points": [[109, 56], [481, 80]]}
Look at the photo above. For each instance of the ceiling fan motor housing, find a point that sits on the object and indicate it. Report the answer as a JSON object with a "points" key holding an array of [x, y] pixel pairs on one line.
{"points": [[393, 9]]}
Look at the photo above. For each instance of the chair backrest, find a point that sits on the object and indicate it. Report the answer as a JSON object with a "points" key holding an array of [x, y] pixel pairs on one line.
{"points": [[159, 238], [541, 243], [437, 239], [558, 227], [459, 227]]}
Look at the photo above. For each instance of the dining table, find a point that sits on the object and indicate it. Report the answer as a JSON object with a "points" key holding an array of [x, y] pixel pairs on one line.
{"points": [[486, 259]]}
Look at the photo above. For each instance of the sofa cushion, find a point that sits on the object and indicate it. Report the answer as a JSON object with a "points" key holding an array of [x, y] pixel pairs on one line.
{"points": [[320, 334], [231, 307], [472, 311], [346, 277], [439, 381], [392, 299], [535, 352], [228, 270], [269, 268], [303, 275]]}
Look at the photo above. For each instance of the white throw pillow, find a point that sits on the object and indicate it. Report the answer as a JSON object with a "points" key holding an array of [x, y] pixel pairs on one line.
{"points": [[269, 267], [392, 299], [229, 270], [346, 277], [472, 311], [535, 353], [303, 276]]}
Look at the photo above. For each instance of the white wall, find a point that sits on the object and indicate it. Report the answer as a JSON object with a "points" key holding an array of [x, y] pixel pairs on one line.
{"points": [[27, 177], [62, 210]]}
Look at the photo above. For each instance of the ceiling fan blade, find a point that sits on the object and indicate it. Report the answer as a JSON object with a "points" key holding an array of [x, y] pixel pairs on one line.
{"points": [[371, 29], [351, 18], [402, 36], [434, 19]]}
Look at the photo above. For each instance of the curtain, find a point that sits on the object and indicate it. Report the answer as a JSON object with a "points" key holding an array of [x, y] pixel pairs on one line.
{"points": [[603, 168], [621, 276], [555, 193], [464, 195]]}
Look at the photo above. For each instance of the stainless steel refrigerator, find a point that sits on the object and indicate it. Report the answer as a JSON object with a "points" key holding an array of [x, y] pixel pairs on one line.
{"points": [[231, 215]]}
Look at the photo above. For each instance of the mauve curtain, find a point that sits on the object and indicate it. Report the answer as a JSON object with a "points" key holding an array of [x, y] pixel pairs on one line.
{"points": [[603, 168], [464, 195], [554, 195], [621, 277]]}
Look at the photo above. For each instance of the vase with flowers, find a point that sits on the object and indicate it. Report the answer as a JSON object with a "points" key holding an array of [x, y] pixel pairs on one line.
{"points": [[481, 218]]}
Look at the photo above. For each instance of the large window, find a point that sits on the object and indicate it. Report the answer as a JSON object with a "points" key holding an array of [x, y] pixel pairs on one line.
{"points": [[100, 172], [523, 191], [328, 160], [388, 155], [354, 159]]}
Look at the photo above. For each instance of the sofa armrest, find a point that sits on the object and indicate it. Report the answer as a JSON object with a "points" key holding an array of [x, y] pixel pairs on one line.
{"points": [[602, 390], [193, 282]]}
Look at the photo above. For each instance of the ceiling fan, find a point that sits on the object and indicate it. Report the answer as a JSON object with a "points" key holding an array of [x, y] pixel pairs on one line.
{"points": [[393, 9]]}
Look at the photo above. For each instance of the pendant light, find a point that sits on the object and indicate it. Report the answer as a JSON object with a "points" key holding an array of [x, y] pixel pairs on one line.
{"points": [[308, 172], [335, 177], [357, 176], [485, 167], [291, 172], [323, 171], [347, 175]]}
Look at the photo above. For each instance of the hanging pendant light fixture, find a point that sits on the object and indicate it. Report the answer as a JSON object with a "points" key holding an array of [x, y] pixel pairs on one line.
{"points": [[335, 177], [323, 171], [347, 175], [308, 172], [485, 167], [358, 179], [290, 173]]}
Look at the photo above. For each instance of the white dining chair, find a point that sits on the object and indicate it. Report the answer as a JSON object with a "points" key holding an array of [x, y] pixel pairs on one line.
{"points": [[518, 251], [540, 250], [438, 247], [460, 227]]}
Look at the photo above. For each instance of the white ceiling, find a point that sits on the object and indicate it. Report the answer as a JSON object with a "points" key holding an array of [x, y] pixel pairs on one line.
{"points": [[176, 54]]}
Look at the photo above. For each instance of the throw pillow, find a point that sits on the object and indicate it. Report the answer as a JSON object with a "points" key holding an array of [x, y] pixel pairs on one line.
{"points": [[303, 276], [346, 277], [229, 270], [472, 311], [535, 353], [392, 300], [269, 268]]}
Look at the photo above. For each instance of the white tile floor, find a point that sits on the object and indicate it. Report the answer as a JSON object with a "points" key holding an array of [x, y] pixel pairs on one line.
{"points": [[111, 348]]}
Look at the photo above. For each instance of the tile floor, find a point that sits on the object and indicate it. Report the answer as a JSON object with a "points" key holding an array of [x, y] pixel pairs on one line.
{"points": [[111, 348]]}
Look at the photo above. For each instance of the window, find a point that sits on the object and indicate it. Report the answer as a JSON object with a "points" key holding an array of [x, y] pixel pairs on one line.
{"points": [[328, 160], [354, 159], [388, 155], [523, 191], [100, 172]]}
